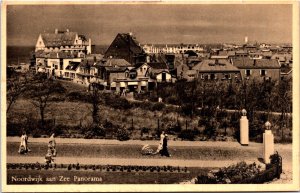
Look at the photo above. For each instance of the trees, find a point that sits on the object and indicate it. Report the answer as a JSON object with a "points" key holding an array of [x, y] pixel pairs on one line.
{"points": [[16, 86], [40, 91], [94, 98]]}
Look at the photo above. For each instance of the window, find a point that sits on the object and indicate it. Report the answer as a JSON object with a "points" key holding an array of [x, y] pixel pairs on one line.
{"points": [[141, 69], [66, 74], [263, 72], [61, 64], [56, 67], [248, 72]]}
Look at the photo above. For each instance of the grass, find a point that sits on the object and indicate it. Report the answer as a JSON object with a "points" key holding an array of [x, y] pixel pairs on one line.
{"points": [[72, 114], [107, 177], [133, 151]]}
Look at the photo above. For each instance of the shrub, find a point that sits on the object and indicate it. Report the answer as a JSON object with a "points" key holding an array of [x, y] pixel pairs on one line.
{"points": [[172, 100], [157, 106], [77, 96], [232, 174], [175, 128], [211, 128], [186, 109], [122, 135], [94, 132], [144, 130], [203, 121], [188, 134], [117, 102]]}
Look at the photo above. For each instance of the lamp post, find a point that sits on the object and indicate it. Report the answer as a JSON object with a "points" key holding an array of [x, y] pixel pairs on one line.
{"points": [[268, 141], [244, 129]]}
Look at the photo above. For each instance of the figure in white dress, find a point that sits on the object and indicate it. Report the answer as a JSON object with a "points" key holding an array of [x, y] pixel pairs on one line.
{"points": [[23, 149], [160, 146], [52, 145]]}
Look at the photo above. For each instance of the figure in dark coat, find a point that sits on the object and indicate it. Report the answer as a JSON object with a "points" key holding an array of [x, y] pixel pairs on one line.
{"points": [[164, 151]]}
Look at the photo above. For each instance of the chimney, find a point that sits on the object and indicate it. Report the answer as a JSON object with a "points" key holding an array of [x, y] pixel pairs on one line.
{"points": [[56, 31]]}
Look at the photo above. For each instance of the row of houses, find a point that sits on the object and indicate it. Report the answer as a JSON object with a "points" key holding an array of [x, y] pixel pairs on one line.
{"points": [[126, 66], [236, 69]]}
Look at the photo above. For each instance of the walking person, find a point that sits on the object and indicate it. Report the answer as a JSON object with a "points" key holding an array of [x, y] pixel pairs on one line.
{"points": [[160, 145], [164, 151], [52, 145], [23, 149]]}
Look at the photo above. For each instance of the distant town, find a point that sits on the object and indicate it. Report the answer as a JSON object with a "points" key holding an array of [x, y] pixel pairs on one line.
{"points": [[129, 66]]}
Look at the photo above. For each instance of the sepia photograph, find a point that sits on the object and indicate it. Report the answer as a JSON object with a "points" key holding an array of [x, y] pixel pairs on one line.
{"points": [[131, 94]]}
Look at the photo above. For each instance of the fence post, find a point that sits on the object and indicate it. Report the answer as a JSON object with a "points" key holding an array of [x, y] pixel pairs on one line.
{"points": [[244, 129], [268, 140]]}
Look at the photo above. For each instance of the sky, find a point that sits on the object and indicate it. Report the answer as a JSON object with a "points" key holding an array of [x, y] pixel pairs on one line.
{"points": [[153, 23]]}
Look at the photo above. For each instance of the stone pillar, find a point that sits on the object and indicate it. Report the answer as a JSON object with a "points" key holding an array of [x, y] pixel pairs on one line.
{"points": [[268, 140], [244, 129]]}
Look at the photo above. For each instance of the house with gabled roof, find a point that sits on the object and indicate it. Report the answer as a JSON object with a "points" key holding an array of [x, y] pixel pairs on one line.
{"points": [[125, 46], [63, 41], [258, 69], [159, 71], [217, 69]]}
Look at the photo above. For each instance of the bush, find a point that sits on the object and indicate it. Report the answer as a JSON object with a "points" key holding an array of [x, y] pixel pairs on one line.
{"points": [[94, 132], [188, 134], [186, 109], [211, 128], [77, 96], [174, 128], [117, 102], [203, 121], [157, 106], [144, 130], [122, 135]]}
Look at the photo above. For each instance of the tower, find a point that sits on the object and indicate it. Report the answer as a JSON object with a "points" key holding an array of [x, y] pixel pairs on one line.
{"points": [[246, 39]]}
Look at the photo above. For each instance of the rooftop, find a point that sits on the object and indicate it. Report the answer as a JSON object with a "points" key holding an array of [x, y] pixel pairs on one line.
{"points": [[215, 66], [259, 63]]}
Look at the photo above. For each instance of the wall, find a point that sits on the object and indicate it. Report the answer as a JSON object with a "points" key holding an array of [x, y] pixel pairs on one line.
{"points": [[220, 76], [144, 70], [116, 75], [255, 74], [52, 63]]}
